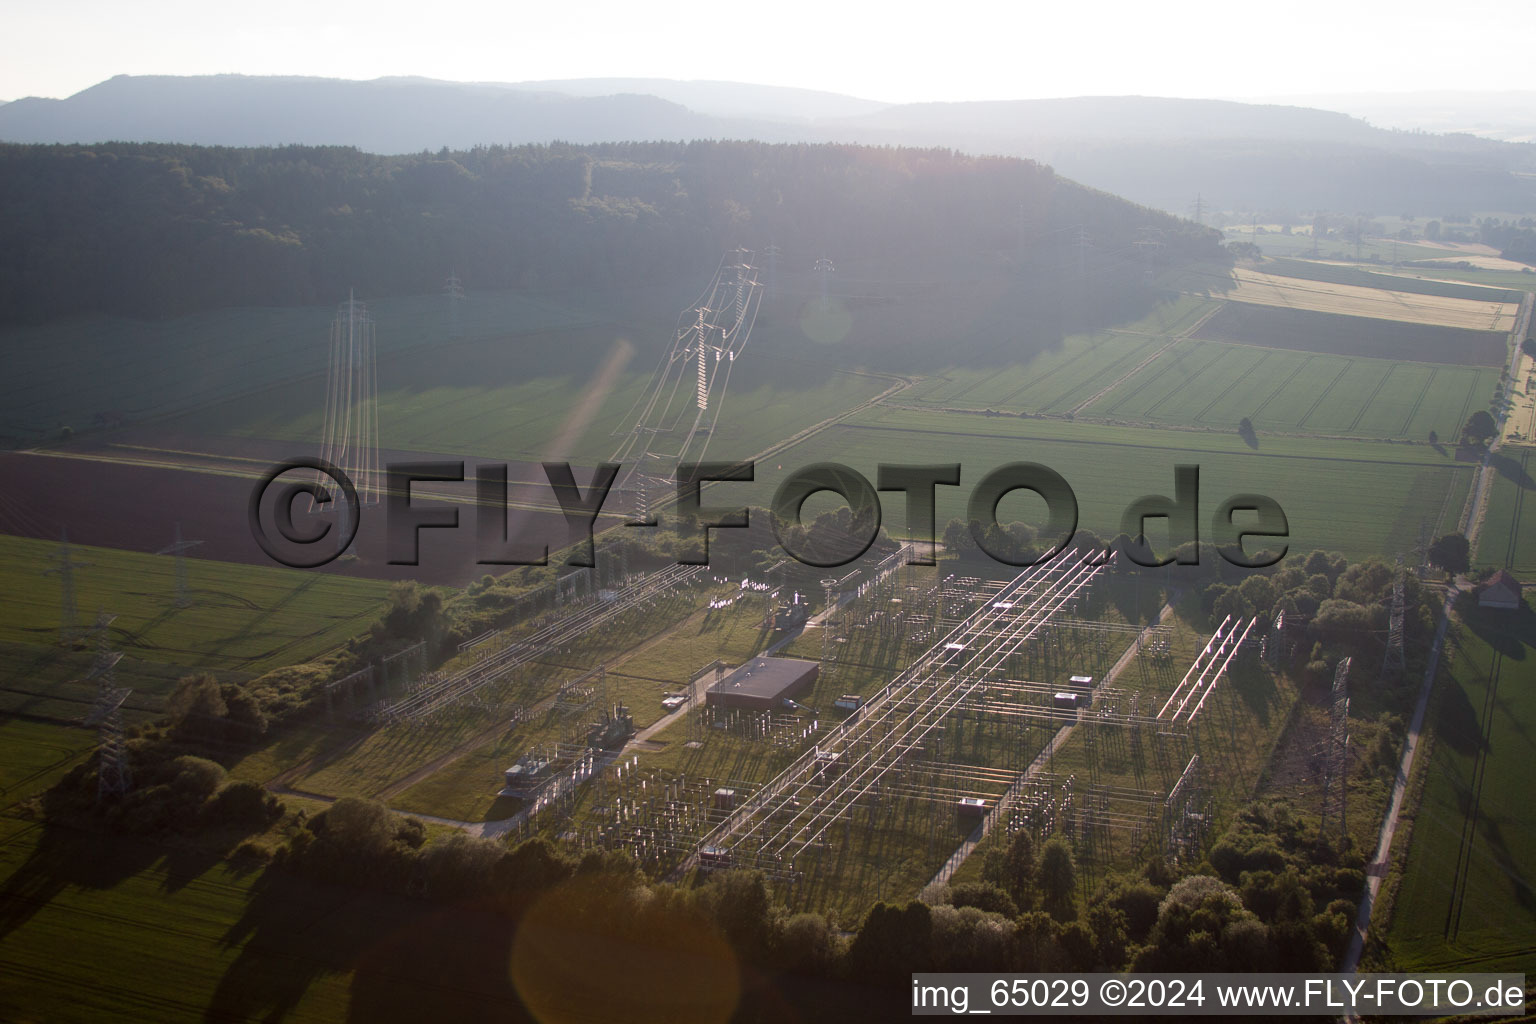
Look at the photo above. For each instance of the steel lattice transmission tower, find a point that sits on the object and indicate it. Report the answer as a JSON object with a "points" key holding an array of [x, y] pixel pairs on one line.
{"points": [[829, 635], [1393, 663], [825, 268], [179, 548], [351, 432], [65, 571], [454, 290], [107, 715], [1336, 766], [674, 418]]}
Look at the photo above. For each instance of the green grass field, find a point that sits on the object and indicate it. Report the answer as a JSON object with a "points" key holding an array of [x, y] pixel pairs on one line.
{"points": [[1060, 379], [428, 404], [95, 928], [1214, 384], [34, 755], [1357, 497], [1466, 900], [242, 620], [241, 617], [1508, 539], [68, 371]]}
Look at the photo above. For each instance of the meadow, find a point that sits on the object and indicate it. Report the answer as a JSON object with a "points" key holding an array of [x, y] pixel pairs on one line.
{"points": [[95, 928], [1216, 384], [1357, 497], [240, 621], [1508, 539], [246, 618], [66, 372], [1242, 362], [483, 399], [1466, 900]]}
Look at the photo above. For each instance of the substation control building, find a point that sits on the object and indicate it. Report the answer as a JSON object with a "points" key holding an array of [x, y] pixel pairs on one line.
{"points": [[763, 684]]}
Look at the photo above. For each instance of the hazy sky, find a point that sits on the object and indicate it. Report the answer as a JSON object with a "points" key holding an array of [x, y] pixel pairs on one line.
{"points": [[949, 52]]}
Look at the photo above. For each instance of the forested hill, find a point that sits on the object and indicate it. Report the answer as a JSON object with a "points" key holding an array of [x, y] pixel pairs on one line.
{"points": [[155, 230]]}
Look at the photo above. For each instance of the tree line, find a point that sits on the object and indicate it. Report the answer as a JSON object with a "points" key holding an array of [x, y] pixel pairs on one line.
{"points": [[150, 230]]}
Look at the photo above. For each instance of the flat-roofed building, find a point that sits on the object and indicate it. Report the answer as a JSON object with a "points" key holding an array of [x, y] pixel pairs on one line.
{"points": [[763, 684]]}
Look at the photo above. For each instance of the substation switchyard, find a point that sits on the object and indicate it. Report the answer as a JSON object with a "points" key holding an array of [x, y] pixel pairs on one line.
{"points": [[959, 740], [976, 705]]}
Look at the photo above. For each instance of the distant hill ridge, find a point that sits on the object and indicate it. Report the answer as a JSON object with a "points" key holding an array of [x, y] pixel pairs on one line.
{"points": [[1154, 150]]}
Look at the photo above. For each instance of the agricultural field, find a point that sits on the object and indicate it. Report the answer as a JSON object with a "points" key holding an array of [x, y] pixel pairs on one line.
{"points": [[489, 399], [241, 621], [1375, 303], [1520, 424], [67, 372], [1508, 539], [239, 618], [1299, 243], [35, 754], [1062, 379], [181, 934], [1357, 497], [501, 377], [1514, 280], [1465, 899], [1215, 384], [1310, 331], [1388, 279]]}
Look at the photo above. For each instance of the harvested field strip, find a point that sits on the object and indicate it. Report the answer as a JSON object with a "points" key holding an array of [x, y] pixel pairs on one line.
{"points": [[1246, 323], [1373, 303]]}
